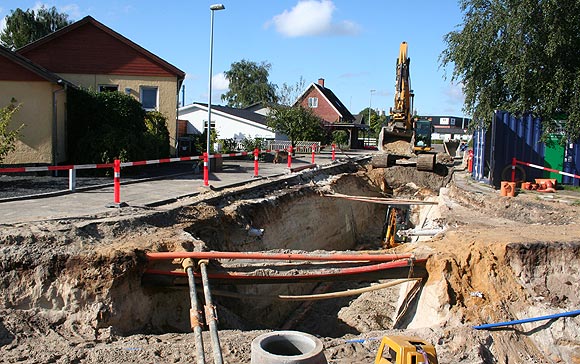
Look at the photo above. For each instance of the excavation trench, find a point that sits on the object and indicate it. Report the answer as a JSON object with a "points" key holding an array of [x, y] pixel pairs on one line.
{"points": [[90, 282], [302, 220]]}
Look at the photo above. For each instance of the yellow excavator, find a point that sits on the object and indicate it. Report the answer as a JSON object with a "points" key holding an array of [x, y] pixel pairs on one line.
{"points": [[405, 350], [404, 139]]}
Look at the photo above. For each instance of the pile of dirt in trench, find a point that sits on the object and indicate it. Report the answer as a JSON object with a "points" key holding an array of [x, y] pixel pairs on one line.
{"points": [[65, 289]]}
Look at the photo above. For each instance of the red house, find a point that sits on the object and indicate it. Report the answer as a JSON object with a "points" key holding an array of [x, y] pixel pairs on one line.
{"points": [[329, 108]]}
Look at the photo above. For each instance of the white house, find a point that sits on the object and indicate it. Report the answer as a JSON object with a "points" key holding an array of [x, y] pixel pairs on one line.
{"points": [[229, 122]]}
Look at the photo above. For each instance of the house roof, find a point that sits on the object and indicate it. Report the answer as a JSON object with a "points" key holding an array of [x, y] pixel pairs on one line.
{"points": [[56, 39], [27, 64], [239, 113], [332, 99]]}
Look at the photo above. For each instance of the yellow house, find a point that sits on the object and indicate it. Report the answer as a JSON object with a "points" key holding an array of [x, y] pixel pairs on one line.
{"points": [[41, 95], [89, 55]]}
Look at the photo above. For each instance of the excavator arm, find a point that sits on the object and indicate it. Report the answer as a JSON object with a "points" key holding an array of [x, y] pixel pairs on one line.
{"points": [[401, 112]]}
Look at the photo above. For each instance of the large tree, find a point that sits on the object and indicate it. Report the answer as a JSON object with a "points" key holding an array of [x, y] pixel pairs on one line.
{"points": [[298, 123], [249, 84], [520, 56], [23, 27]]}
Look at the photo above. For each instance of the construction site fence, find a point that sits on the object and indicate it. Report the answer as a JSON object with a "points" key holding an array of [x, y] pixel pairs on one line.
{"points": [[531, 165], [117, 165]]}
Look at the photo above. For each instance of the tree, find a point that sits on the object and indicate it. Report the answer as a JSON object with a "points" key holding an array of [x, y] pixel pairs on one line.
{"points": [[23, 27], [519, 56], [287, 94], [8, 136], [377, 121], [249, 84], [298, 123]]}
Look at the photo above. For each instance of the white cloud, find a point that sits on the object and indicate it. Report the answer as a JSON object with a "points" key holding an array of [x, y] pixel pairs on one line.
{"points": [[312, 17], [220, 82], [73, 11], [2, 23], [454, 93]]}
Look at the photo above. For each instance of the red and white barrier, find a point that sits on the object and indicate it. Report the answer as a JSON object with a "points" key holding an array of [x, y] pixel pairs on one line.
{"points": [[256, 154], [515, 161], [333, 152]]}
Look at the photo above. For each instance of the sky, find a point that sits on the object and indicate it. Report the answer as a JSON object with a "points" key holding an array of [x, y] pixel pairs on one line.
{"points": [[353, 45]]}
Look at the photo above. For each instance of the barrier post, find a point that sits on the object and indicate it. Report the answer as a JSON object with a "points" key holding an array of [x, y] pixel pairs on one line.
{"points": [[470, 161], [205, 169], [256, 154], [72, 179], [514, 161], [313, 145], [117, 181], [333, 152], [289, 156]]}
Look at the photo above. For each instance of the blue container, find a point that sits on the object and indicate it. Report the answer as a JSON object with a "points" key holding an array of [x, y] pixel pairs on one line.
{"points": [[510, 137], [515, 137], [572, 163]]}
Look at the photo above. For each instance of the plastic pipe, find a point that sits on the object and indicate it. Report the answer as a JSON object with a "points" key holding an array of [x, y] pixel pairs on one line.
{"points": [[319, 296], [210, 315], [328, 274], [278, 256], [194, 313], [523, 321]]}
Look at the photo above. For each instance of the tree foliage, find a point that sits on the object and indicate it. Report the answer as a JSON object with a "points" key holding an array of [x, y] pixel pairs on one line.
{"points": [[297, 122], [23, 27], [288, 94], [520, 56], [377, 121], [249, 84], [104, 126], [8, 136]]}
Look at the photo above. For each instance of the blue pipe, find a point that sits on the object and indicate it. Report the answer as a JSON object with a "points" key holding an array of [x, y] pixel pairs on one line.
{"points": [[523, 321]]}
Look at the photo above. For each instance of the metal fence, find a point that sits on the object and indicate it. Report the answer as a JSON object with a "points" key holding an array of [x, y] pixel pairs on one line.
{"points": [[300, 147]]}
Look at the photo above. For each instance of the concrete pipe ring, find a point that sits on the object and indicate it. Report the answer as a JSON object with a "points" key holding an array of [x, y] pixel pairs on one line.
{"points": [[287, 347]]}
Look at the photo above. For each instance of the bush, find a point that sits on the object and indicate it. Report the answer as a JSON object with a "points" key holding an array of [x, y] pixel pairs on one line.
{"points": [[108, 125], [340, 137]]}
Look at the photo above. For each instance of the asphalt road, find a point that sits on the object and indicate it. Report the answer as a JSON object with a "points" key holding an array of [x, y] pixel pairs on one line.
{"points": [[87, 201]]}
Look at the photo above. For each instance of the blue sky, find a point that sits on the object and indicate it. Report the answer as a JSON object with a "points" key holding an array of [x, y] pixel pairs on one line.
{"points": [[353, 45]]}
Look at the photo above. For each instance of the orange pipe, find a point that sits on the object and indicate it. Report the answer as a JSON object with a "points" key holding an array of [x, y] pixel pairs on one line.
{"points": [[331, 273], [278, 256]]}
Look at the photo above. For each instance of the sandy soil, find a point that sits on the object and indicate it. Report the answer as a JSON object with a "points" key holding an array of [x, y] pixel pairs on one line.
{"points": [[72, 292]]}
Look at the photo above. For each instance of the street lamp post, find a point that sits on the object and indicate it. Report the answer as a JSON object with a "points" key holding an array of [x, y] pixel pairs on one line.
{"points": [[212, 8], [370, 107]]}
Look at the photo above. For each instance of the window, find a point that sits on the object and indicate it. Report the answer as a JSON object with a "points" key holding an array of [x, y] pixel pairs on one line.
{"points": [[108, 88], [149, 97], [313, 102], [205, 125]]}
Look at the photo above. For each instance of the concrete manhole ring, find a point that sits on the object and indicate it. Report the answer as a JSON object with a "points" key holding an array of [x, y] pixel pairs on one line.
{"points": [[287, 347]]}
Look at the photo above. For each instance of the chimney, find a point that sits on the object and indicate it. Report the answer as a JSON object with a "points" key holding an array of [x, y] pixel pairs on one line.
{"points": [[321, 82]]}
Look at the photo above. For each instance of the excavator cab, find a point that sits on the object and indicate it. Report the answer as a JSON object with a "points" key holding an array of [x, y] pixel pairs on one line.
{"points": [[423, 132]]}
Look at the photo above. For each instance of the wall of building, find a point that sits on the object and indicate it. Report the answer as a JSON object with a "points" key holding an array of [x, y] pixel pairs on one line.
{"points": [[324, 109], [226, 126], [35, 141]]}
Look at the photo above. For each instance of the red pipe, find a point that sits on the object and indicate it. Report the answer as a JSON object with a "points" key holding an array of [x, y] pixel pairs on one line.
{"points": [[337, 272], [278, 256], [289, 156]]}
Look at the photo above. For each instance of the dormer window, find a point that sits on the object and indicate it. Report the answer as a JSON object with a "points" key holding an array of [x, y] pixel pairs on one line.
{"points": [[313, 102]]}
